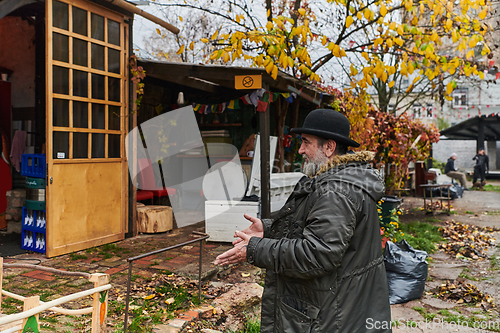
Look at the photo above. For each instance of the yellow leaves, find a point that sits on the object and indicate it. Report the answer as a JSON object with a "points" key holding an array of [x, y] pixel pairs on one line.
{"points": [[302, 11], [191, 46], [180, 50], [214, 36], [359, 16], [392, 26], [403, 70], [389, 42], [408, 5], [483, 13], [324, 40], [181, 19], [473, 41], [354, 71], [348, 21], [405, 56], [470, 54], [270, 65], [400, 30], [149, 296], [391, 84], [269, 26], [449, 88], [391, 70], [238, 18], [399, 41], [274, 73], [486, 50], [383, 10], [158, 31], [226, 57], [449, 24], [434, 36], [410, 68], [367, 13], [365, 55], [481, 75]]}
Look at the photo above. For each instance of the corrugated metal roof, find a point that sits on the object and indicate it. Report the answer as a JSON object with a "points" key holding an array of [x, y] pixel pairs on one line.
{"points": [[470, 129]]}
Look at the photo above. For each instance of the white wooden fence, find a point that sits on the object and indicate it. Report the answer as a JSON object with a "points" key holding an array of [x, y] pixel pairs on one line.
{"points": [[28, 321]]}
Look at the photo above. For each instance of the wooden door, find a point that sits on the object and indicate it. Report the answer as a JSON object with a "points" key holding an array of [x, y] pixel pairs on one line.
{"points": [[86, 106]]}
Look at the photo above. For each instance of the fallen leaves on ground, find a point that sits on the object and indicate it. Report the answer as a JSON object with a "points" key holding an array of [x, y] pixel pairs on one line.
{"points": [[466, 240], [463, 292]]}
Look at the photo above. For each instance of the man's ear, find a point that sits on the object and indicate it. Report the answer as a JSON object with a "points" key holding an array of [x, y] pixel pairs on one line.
{"points": [[329, 148]]}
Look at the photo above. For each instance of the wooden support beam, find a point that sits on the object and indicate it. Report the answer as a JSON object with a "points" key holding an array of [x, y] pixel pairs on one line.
{"points": [[480, 135], [133, 9], [497, 134], [265, 201], [1, 279]]}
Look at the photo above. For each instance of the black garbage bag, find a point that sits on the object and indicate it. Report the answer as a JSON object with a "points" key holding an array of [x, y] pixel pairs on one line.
{"points": [[406, 270], [456, 191]]}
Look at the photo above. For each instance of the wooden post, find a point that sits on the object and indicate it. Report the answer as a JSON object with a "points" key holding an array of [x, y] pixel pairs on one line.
{"points": [[31, 322], [100, 305], [1, 279], [480, 135], [264, 163]]}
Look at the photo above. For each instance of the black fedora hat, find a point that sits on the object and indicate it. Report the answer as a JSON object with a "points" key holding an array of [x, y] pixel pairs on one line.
{"points": [[327, 124]]}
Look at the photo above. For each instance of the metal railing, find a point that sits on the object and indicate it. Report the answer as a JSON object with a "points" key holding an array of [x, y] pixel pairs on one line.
{"points": [[202, 237]]}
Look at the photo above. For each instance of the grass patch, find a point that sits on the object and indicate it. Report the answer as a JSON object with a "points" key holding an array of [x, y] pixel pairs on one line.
{"points": [[422, 235], [454, 212], [492, 188], [74, 256], [469, 212], [432, 220]]}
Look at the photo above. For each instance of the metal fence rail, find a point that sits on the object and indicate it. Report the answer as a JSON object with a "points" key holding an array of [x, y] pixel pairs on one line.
{"points": [[132, 259]]}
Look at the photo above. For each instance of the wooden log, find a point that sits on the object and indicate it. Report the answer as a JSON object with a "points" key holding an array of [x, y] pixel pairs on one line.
{"points": [[153, 219], [1, 278]]}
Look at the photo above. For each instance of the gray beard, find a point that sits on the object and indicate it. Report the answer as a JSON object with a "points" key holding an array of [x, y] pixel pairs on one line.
{"points": [[315, 163]]}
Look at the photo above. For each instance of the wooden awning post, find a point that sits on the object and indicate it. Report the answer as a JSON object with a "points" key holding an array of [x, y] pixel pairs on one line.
{"points": [[1, 279], [265, 202], [480, 135]]}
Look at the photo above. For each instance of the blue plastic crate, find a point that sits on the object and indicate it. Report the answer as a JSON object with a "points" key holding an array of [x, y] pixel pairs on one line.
{"points": [[33, 241], [34, 220], [33, 165]]}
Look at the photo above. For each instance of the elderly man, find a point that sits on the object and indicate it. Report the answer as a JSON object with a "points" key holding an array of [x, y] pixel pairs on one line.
{"points": [[451, 171], [322, 253]]}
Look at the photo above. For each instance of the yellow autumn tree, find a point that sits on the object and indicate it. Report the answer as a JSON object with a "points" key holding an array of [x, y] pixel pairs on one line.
{"points": [[427, 40]]}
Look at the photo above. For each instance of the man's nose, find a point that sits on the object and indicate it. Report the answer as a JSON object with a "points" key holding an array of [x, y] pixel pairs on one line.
{"points": [[301, 149]]}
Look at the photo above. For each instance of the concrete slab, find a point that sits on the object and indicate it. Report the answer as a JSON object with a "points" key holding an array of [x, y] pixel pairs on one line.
{"points": [[444, 271]]}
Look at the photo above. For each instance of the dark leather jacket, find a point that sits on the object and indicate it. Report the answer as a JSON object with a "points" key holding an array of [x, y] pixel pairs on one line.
{"points": [[323, 255]]}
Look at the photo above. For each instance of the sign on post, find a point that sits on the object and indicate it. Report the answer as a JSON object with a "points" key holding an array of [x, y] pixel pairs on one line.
{"points": [[247, 82]]}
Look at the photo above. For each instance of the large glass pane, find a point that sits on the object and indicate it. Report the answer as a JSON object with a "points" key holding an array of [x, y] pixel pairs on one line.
{"points": [[61, 145], [61, 80], [80, 52], [98, 145], [113, 61], [97, 27], [114, 117], [79, 21], [113, 145], [113, 32], [80, 83], [60, 15], [60, 112], [80, 114], [98, 116], [60, 48], [97, 56], [113, 89], [98, 86], [80, 145]]}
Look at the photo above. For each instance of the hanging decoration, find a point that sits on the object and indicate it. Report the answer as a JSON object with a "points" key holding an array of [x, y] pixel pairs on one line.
{"points": [[258, 98]]}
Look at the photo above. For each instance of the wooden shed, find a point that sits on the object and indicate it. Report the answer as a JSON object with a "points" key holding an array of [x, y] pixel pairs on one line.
{"points": [[68, 87]]}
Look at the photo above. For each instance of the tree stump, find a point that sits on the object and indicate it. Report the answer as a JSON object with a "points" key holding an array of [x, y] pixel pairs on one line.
{"points": [[154, 219]]}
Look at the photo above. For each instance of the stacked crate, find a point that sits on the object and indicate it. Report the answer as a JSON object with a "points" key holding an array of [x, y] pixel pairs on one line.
{"points": [[34, 220]]}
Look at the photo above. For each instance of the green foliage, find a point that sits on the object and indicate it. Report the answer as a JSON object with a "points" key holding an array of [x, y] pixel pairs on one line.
{"points": [[492, 188], [75, 256], [422, 236], [442, 124], [438, 165]]}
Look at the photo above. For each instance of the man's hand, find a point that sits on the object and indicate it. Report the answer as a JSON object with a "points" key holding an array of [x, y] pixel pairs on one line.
{"points": [[237, 254], [256, 229]]}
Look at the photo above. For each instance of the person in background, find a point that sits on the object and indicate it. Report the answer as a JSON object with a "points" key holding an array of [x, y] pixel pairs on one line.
{"points": [[451, 171], [481, 168]]}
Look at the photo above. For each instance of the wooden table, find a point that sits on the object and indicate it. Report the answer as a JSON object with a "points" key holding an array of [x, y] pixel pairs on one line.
{"points": [[441, 198]]}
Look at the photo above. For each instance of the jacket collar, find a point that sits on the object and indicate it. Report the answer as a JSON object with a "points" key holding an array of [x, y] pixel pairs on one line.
{"points": [[361, 156]]}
